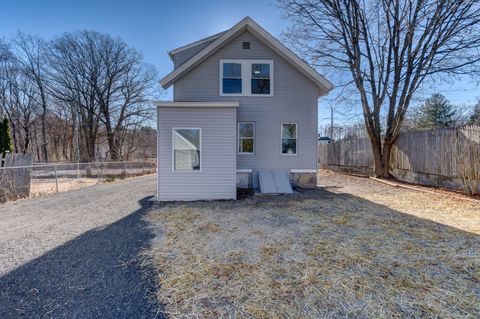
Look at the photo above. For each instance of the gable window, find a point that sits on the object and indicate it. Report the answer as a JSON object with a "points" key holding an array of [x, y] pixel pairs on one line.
{"points": [[246, 77], [232, 78], [187, 144], [246, 137], [260, 78], [289, 138]]}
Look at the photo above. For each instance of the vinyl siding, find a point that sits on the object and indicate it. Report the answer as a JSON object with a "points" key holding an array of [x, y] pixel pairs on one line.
{"points": [[217, 178], [295, 100], [183, 56]]}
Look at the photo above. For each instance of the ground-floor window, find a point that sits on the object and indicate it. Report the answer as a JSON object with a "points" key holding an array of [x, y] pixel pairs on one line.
{"points": [[246, 137], [187, 144], [289, 138]]}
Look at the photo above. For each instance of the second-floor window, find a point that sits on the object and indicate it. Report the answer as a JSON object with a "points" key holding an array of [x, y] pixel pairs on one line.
{"points": [[246, 77], [232, 78], [260, 83]]}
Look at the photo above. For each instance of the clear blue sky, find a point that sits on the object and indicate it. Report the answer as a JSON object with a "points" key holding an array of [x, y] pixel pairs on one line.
{"points": [[155, 27]]}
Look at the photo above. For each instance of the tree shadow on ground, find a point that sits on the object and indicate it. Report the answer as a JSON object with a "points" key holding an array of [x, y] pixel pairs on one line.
{"points": [[96, 275]]}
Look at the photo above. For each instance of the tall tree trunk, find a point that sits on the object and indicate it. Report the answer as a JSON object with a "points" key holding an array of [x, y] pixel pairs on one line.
{"points": [[112, 140], [112, 145], [75, 146], [43, 118], [44, 134], [381, 158]]}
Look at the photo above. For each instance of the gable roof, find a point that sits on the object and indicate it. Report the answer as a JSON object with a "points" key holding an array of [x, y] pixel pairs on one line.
{"points": [[246, 24]]}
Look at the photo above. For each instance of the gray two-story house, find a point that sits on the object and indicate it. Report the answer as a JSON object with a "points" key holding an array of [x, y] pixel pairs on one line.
{"points": [[244, 112]]}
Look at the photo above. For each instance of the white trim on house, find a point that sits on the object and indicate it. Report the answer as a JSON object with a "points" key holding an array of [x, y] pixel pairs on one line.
{"points": [[296, 139], [244, 170], [164, 104], [238, 138], [173, 150], [246, 77], [171, 53], [301, 170], [248, 24]]}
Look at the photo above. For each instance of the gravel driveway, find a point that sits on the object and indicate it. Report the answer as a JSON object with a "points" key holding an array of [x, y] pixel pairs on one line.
{"points": [[73, 254]]}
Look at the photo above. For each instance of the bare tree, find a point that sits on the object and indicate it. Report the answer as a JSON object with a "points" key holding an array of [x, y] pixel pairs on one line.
{"points": [[386, 49], [106, 82], [123, 90], [73, 70], [30, 54], [4, 58]]}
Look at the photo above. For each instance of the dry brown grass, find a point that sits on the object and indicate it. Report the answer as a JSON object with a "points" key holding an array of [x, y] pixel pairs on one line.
{"points": [[40, 187], [361, 250]]}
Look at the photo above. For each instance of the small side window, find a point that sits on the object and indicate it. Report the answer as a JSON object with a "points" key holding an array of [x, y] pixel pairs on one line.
{"points": [[186, 149], [289, 138], [232, 78], [246, 137]]}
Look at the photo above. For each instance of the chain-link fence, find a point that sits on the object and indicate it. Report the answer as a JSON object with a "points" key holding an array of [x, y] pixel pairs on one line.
{"points": [[24, 181]]}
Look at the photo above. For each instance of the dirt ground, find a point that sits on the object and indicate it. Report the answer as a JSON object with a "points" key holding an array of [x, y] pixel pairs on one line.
{"points": [[351, 248], [40, 187]]}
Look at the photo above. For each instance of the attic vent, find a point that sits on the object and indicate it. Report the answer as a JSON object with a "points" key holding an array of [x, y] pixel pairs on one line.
{"points": [[246, 45]]}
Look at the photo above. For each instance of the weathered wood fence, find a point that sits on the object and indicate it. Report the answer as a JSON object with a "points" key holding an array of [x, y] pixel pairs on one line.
{"points": [[442, 157]]}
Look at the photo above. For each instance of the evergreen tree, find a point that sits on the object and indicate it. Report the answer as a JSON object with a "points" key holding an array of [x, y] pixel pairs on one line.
{"points": [[475, 117], [6, 143], [437, 111]]}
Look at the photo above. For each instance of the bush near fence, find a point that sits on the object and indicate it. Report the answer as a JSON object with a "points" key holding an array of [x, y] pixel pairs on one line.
{"points": [[443, 157]]}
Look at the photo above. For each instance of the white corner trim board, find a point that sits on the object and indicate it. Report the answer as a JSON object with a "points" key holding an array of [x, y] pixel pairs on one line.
{"points": [[303, 171], [244, 170]]}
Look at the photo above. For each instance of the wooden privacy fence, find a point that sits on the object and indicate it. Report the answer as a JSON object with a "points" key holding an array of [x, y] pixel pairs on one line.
{"points": [[442, 157], [347, 154]]}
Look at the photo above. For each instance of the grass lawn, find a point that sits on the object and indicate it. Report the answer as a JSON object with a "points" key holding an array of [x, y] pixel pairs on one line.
{"points": [[353, 249]]}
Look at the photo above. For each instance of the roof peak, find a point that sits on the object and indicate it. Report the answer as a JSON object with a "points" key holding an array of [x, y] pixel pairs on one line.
{"points": [[250, 25]]}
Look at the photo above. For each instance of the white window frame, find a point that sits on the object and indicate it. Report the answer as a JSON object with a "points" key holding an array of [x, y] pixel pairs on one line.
{"points": [[238, 138], [246, 77], [173, 150], [296, 139]]}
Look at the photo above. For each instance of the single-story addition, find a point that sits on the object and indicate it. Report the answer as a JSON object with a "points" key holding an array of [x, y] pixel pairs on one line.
{"points": [[244, 114]]}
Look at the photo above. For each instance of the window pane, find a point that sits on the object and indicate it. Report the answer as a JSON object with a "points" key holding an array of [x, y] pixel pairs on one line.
{"points": [[232, 70], [187, 139], [260, 71], [245, 129], [260, 86], [245, 145], [187, 160], [260, 81], [289, 131], [232, 85], [289, 146], [186, 149]]}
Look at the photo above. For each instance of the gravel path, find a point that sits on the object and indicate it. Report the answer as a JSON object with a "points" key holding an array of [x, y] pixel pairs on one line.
{"points": [[73, 254]]}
